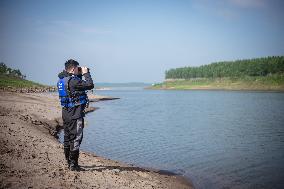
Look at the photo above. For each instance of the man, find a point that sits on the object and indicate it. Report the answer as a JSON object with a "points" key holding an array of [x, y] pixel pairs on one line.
{"points": [[72, 92]]}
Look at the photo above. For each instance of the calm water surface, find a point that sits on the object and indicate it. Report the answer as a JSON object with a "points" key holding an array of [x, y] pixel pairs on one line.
{"points": [[218, 139]]}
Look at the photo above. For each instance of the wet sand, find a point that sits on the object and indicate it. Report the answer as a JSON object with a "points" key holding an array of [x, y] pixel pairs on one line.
{"points": [[32, 157]]}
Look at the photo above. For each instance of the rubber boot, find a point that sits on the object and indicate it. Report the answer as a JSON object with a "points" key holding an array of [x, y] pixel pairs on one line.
{"points": [[74, 156], [67, 155]]}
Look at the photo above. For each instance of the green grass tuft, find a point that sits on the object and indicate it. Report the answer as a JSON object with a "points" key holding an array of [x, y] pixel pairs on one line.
{"points": [[15, 82]]}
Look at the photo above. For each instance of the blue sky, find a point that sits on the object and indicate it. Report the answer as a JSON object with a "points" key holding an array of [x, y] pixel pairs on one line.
{"points": [[130, 41]]}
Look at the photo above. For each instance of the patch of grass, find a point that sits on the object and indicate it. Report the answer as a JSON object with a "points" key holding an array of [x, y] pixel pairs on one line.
{"points": [[270, 82], [15, 82]]}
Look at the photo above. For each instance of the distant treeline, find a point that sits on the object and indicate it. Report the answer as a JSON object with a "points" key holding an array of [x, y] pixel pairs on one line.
{"points": [[5, 70], [238, 68]]}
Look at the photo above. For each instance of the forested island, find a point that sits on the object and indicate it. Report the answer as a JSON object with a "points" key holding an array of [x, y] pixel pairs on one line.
{"points": [[265, 73]]}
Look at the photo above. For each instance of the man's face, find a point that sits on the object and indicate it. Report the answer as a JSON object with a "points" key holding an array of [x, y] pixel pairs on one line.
{"points": [[76, 70], [73, 70]]}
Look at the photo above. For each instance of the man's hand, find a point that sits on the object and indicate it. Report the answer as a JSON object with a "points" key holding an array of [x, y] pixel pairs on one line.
{"points": [[84, 70]]}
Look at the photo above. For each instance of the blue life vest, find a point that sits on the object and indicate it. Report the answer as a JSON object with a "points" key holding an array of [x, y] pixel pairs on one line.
{"points": [[68, 99]]}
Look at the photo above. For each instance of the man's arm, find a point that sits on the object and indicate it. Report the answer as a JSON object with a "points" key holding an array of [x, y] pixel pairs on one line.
{"points": [[82, 85]]}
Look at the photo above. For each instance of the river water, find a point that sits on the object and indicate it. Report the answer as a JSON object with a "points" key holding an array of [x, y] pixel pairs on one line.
{"points": [[218, 139]]}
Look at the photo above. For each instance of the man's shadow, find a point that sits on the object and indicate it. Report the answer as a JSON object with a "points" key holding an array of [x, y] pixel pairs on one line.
{"points": [[94, 168]]}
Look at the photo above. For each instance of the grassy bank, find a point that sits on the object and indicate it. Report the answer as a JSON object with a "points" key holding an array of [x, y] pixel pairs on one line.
{"points": [[15, 82], [269, 82]]}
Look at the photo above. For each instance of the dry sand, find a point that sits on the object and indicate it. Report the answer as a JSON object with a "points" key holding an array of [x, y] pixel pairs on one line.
{"points": [[31, 157]]}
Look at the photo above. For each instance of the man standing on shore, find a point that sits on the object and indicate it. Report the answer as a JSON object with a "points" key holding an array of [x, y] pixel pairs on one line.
{"points": [[72, 92]]}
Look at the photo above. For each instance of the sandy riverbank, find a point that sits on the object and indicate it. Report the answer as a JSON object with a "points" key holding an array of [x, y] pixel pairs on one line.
{"points": [[31, 157]]}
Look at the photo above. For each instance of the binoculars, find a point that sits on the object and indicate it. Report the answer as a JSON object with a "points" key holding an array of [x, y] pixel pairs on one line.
{"points": [[80, 69]]}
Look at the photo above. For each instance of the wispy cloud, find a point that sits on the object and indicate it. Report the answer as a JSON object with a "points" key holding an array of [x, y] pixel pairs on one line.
{"points": [[228, 9], [82, 28], [248, 3], [64, 27], [94, 30]]}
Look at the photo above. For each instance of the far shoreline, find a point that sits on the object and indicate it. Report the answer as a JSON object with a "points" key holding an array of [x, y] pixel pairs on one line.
{"points": [[217, 89], [247, 83]]}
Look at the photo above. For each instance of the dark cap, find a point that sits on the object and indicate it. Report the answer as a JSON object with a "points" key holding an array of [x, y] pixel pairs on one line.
{"points": [[70, 64]]}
